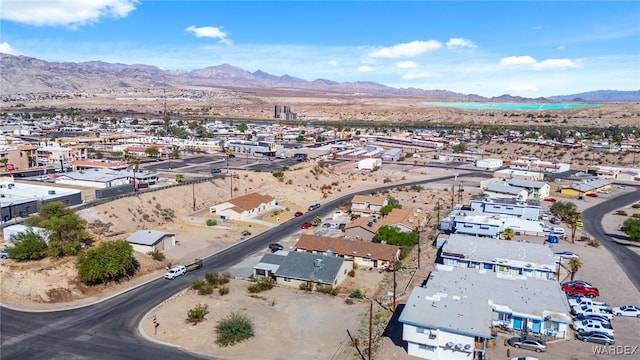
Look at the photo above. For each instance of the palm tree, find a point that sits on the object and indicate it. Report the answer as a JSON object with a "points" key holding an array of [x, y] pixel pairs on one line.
{"points": [[179, 178], [135, 162], [508, 234], [574, 265], [572, 219]]}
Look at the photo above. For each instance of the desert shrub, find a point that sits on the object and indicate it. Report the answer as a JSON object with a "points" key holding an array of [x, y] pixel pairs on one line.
{"points": [[356, 294], [197, 314], [110, 261], [351, 273], [233, 329], [621, 212], [354, 266], [202, 287], [263, 284], [217, 279], [327, 289], [156, 255], [223, 290], [417, 188], [29, 245], [257, 170], [636, 206], [306, 286], [348, 301], [212, 222], [637, 216], [593, 243], [386, 180]]}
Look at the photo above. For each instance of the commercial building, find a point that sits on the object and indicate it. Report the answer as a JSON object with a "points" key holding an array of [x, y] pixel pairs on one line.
{"points": [[145, 241], [489, 163], [96, 178], [23, 199], [581, 188]]}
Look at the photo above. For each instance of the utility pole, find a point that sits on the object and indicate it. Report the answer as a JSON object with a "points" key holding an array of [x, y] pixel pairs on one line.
{"points": [[419, 250], [231, 179], [438, 208], [193, 193], [394, 284], [453, 195], [370, 326]]}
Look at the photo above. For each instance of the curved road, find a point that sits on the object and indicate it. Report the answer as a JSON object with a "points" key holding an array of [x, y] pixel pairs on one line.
{"points": [[108, 329]]}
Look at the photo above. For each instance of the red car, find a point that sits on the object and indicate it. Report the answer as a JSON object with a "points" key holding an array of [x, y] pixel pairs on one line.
{"points": [[592, 195], [298, 213], [306, 225], [550, 199], [580, 289]]}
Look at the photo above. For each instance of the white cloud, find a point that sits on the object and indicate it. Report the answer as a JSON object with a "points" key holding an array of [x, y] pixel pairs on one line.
{"points": [[561, 47], [366, 69], [407, 65], [537, 28], [459, 43], [517, 60], [5, 48], [209, 32], [333, 62], [557, 64], [417, 75], [409, 49], [70, 13], [521, 88]]}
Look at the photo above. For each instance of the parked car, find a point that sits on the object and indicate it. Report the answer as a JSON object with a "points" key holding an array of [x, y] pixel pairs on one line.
{"points": [[555, 220], [604, 191], [175, 272], [581, 290], [246, 232], [314, 207], [628, 310], [524, 358], [528, 342], [306, 225], [4, 254], [583, 300], [602, 318], [592, 195], [596, 337], [216, 171], [592, 325], [622, 187], [275, 247], [550, 199], [591, 310], [582, 282], [579, 223], [567, 255], [298, 214]]}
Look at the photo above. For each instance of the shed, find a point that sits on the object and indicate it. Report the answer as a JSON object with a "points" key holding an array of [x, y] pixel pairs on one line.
{"points": [[10, 231], [489, 163], [369, 164], [145, 241], [392, 154]]}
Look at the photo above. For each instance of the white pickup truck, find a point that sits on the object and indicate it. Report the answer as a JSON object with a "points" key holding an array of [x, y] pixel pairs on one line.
{"points": [[587, 301], [591, 310], [175, 272]]}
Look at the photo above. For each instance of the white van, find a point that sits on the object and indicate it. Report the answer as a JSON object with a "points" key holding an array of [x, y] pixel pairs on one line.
{"points": [[558, 231]]}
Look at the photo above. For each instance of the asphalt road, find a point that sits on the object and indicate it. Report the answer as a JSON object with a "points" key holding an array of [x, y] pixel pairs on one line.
{"points": [[628, 259], [108, 329]]}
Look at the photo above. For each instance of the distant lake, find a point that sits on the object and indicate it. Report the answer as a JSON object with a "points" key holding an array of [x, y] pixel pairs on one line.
{"points": [[510, 106]]}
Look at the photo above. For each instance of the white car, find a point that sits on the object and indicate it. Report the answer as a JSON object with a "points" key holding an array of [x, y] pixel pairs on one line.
{"points": [[567, 255], [524, 358], [587, 301], [592, 325], [591, 310], [175, 272], [628, 310]]}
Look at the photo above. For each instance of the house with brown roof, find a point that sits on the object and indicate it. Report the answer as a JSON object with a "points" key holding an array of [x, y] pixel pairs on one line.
{"points": [[405, 219], [365, 205], [363, 253], [243, 207]]}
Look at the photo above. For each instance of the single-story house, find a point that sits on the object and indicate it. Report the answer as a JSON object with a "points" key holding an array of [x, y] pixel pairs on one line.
{"points": [[505, 191], [452, 317], [518, 174], [506, 206], [364, 228], [363, 253], [145, 241], [243, 207], [535, 189], [580, 188], [293, 269]]}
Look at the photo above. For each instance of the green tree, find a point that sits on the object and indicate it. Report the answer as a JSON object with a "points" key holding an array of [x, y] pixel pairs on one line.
{"points": [[242, 127], [574, 265], [572, 220], [152, 151], [508, 234], [110, 261], [234, 329], [28, 245], [460, 148], [393, 236], [300, 138], [385, 210], [317, 220], [68, 230], [563, 210], [632, 228], [395, 203]]}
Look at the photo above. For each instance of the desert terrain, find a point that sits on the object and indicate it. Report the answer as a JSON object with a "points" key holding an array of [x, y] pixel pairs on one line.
{"points": [[200, 103]]}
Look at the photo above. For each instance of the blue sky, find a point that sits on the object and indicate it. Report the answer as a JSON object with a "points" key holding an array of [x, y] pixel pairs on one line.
{"points": [[531, 49]]}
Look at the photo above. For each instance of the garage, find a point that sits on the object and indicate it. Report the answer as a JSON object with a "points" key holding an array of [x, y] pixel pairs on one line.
{"points": [[146, 241]]}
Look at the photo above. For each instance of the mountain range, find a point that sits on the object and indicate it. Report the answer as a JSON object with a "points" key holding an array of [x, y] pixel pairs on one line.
{"points": [[23, 75]]}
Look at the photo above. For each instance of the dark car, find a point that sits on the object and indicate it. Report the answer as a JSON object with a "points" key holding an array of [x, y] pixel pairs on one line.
{"points": [[216, 171], [528, 342], [314, 207], [592, 195], [306, 225], [275, 247], [231, 156], [555, 220], [298, 214], [4, 254], [596, 337], [246, 233]]}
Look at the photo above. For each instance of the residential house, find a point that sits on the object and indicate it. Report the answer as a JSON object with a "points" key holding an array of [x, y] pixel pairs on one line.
{"points": [[518, 174], [535, 189], [364, 228], [145, 241], [529, 163], [364, 205], [293, 269], [503, 256], [581, 188], [100, 164], [505, 191], [529, 210], [243, 207], [452, 317], [405, 219], [364, 254], [479, 224]]}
